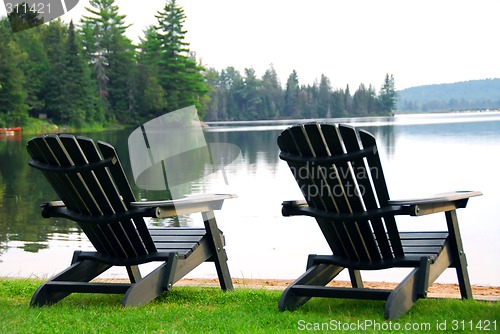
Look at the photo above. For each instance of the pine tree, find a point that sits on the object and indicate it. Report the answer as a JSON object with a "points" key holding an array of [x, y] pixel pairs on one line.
{"points": [[324, 97], [272, 94], [79, 96], [180, 75], [214, 106], [292, 96], [232, 81], [252, 102], [348, 101], [13, 107], [150, 95], [388, 95], [338, 102], [34, 67], [54, 38], [111, 55]]}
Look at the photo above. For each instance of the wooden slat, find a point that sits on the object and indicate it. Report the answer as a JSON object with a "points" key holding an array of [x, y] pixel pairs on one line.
{"points": [[343, 190], [41, 148], [347, 232], [343, 175], [353, 203], [176, 238], [287, 142], [423, 235], [422, 242], [125, 191], [176, 245], [378, 179], [125, 231], [313, 134], [177, 231], [423, 249], [361, 173], [84, 201], [93, 192], [94, 181], [38, 149]]}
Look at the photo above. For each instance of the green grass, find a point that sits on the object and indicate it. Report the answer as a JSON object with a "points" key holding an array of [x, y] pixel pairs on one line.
{"points": [[37, 126], [210, 310]]}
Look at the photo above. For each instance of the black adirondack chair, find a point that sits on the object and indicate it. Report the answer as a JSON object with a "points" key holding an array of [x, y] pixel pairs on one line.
{"points": [[339, 172], [94, 192]]}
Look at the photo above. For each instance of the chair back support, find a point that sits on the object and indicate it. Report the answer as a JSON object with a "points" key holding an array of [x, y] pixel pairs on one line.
{"points": [[90, 180], [339, 172]]}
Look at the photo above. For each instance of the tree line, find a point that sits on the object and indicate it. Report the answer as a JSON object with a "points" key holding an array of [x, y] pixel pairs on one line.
{"points": [[91, 73], [467, 95], [246, 97]]}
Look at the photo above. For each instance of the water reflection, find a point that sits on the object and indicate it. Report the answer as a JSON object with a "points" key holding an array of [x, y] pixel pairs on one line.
{"points": [[420, 156], [20, 195]]}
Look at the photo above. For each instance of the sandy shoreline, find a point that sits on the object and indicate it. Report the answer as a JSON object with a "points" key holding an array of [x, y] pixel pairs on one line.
{"points": [[490, 293]]}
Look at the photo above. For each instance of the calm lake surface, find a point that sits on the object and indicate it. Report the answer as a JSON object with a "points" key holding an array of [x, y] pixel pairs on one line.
{"points": [[421, 155]]}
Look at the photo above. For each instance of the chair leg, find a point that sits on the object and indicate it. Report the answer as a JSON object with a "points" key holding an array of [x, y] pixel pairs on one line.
{"points": [[423, 278], [458, 254], [319, 274], [402, 297], [153, 284], [409, 290], [134, 274], [219, 254], [79, 271], [356, 280]]}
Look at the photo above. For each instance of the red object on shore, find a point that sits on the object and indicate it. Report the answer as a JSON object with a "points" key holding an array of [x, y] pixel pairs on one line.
{"points": [[17, 129]]}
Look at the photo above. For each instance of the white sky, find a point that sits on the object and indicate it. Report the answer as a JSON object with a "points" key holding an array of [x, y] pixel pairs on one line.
{"points": [[356, 41]]}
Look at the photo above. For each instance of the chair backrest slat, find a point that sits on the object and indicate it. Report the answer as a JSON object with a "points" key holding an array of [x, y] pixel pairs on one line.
{"points": [[120, 236], [42, 149], [343, 175], [361, 173], [343, 172], [287, 143], [378, 179], [93, 191], [127, 196]]}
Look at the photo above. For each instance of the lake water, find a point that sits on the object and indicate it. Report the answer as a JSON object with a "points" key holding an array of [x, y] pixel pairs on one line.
{"points": [[421, 155]]}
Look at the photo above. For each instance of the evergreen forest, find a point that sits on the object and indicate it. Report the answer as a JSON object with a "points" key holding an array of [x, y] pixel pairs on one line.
{"points": [[90, 74]]}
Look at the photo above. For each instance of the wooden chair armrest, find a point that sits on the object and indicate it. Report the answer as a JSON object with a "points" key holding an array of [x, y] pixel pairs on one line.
{"points": [[299, 208], [296, 202], [186, 205], [155, 209], [413, 207], [53, 204], [436, 203]]}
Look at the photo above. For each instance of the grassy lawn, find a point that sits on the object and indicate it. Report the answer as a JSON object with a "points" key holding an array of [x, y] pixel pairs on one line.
{"points": [[210, 310]]}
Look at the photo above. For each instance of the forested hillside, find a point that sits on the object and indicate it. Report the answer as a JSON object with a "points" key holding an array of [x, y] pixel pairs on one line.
{"points": [[89, 73], [467, 95]]}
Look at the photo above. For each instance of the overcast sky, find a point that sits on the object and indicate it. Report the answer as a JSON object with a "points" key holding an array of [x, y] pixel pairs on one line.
{"points": [[357, 41]]}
